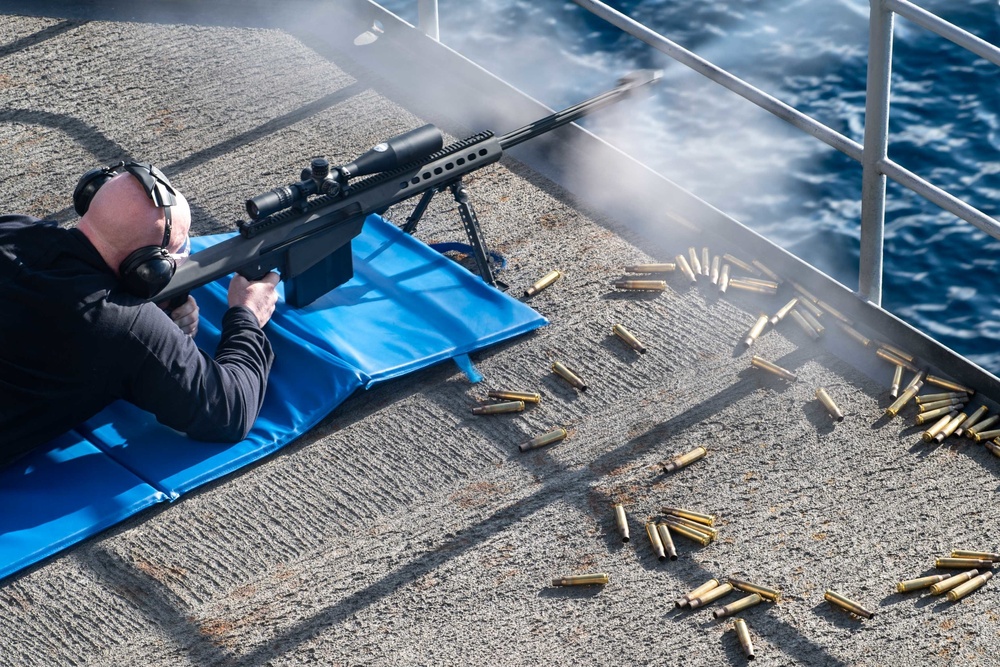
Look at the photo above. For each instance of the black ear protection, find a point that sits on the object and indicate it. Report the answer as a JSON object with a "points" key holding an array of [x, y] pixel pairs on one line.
{"points": [[147, 270]]}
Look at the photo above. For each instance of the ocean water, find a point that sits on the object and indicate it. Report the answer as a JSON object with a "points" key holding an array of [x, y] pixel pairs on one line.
{"points": [[940, 272]]}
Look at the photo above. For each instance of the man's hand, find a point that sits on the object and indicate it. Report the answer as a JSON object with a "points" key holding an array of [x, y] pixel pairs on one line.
{"points": [[185, 316], [259, 296]]}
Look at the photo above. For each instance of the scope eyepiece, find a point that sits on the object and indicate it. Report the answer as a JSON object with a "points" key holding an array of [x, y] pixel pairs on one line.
{"points": [[278, 199]]}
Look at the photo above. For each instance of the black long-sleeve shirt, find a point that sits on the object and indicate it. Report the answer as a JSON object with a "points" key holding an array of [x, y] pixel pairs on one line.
{"points": [[72, 341]]}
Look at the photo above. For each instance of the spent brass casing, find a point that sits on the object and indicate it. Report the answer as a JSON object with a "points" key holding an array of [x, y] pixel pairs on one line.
{"points": [[859, 337], [956, 594], [948, 384], [710, 596], [951, 582], [685, 268], [707, 519], [739, 284], [775, 369], [784, 310], [695, 535], [706, 269], [902, 354], [654, 539], [980, 436], [831, 407], [948, 395], [919, 584], [959, 563], [737, 262], [766, 271], [526, 396], [685, 459], [713, 275], [986, 555], [917, 380], [543, 282], [972, 420], [724, 279], [582, 580], [743, 634], [985, 424], [647, 285], [544, 439], [803, 291], [833, 311], [760, 282], [807, 305], [756, 330], [568, 375], [621, 521], [738, 606], [897, 379], [685, 599], [767, 593], [994, 447], [951, 402], [950, 427], [629, 338], [694, 525], [667, 540], [662, 267], [924, 417], [885, 355], [846, 603], [695, 262], [498, 408], [929, 434], [813, 322], [803, 323], [903, 399]]}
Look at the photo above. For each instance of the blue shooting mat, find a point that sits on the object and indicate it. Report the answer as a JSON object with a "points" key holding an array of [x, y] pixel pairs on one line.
{"points": [[406, 308]]}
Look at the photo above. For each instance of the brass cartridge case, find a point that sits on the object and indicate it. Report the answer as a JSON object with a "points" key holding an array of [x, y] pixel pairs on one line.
{"points": [[803, 291], [986, 555], [767, 593], [952, 581], [498, 408], [724, 278], [685, 268], [918, 584], [693, 525], [903, 399], [897, 379], [543, 282], [756, 330], [784, 310], [924, 417], [695, 262], [713, 275], [929, 434], [708, 597], [766, 271], [739, 263], [885, 355], [667, 540], [621, 521], [831, 407], [855, 334], [629, 339], [972, 431], [654, 539], [803, 323], [582, 580], [568, 375], [737, 283], [807, 305], [544, 439], [951, 402], [948, 384], [706, 269], [766, 365], [738, 606], [982, 436], [833, 311], [743, 634], [959, 592], [948, 395], [760, 282], [685, 459], [647, 285], [692, 534], [526, 396], [846, 603], [813, 322], [950, 427], [959, 563], [993, 446], [973, 419], [707, 519], [892, 349], [917, 380], [685, 599], [662, 267]]}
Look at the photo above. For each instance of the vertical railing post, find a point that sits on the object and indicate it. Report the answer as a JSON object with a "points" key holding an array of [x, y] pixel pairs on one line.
{"points": [[875, 150], [427, 13]]}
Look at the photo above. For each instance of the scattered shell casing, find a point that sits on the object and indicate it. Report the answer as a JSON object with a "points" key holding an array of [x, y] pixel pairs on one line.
{"points": [[994, 447], [803, 323], [544, 439], [724, 278], [621, 521], [707, 519], [924, 417], [952, 581], [950, 427], [667, 540], [695, 535], [663, 267], [739, 284], [959, 592], [784, 310], [959, 563], [629, 338], [903, 399], [543, 282], [710, 596], [743, 634], [767, 593], [737, 262], [713, 275], [917, 380], [972, 420], [648, 285], [526, 396], [685, 459], [833, 311], [929, 434], [693, 525], [985, 555], [831, 407], [738, 606], [986, 423], [766, 271], [885, 355], [685, 268], [933, 398], [685, 599], [706, 268], [951, 402], [498, 408], [855, 334], [695, 262], [774, 369], [813, 322], [654, 539], [948, 384], [582, 580], [918, 584], [902, 354], [568, 375], [986, 435], [897, 379], [808, 305], [756, 330], [760, 282], [846, 603], [803, 291]]}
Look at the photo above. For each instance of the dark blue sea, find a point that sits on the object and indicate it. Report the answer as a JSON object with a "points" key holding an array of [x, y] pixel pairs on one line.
{"points": [[940, 272]]}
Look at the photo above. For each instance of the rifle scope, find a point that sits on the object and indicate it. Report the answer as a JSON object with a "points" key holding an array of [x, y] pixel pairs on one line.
{"points": [[320, 178]]}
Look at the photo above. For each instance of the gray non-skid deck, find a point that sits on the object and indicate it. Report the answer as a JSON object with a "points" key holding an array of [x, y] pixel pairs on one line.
{"points": [[404, 530]]}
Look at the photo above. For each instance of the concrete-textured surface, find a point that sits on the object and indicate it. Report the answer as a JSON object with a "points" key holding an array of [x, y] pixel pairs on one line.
{"points": [[402, 530]]}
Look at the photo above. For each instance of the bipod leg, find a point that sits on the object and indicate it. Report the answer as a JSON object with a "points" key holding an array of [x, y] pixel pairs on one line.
{"points": [[471, 224], [418, 211]]}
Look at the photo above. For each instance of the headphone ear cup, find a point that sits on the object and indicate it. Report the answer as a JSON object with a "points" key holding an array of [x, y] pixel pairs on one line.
{"points": [[146, 271], [87, 187]]}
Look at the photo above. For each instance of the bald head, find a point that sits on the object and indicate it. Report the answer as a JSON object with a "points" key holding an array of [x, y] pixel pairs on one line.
{"points": [[122, 218]]}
